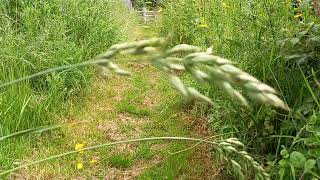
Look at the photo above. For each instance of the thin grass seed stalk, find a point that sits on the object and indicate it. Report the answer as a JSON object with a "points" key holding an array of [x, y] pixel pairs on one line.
{"points": [[228, 149]]}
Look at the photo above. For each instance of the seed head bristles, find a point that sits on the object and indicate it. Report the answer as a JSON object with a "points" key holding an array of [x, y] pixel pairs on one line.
{"points": [[178, 84], [189, 93], [204, 58], [174, 60], [200, 75], [154, 42], [210, 50], [176, 67], [144, 45], [182, 48], [230, 146], [233, 93], [161, 63], [223, 73], [197, 95]]}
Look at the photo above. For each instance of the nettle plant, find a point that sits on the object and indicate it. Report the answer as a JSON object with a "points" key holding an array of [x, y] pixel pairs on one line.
{"points": [[204, 67], [301, 163]]}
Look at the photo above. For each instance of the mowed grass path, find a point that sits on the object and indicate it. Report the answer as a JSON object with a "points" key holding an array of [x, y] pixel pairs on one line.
{"points": [[118, 108]]}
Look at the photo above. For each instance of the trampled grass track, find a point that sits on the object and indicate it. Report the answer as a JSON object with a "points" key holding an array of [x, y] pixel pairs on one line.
{"points": [[118, 108]]}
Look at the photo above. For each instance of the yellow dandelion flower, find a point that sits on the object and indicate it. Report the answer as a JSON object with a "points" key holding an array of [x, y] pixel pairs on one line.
{"points": [[79, 147], [79, 165], [93, 161], [205, 25]]}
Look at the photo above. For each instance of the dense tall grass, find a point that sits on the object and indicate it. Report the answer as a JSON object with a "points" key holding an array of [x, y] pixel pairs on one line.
{"points": [[36, 35], [269, 40]]}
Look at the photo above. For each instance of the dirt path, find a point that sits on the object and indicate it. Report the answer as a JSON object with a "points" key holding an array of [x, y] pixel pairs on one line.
{"points": [[118, 108]]}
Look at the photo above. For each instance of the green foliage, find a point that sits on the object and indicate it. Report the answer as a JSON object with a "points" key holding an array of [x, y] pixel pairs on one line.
{"points": [[37, 35], [127, 107], [181, 18], [144, 152], [302, 52], [296, 163], [120, 161], [306, 161], [269, 40], [169, 169]]}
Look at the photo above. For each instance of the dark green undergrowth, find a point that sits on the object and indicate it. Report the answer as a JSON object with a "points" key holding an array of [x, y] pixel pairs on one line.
{"points": [[277, 43], [37, 35]]}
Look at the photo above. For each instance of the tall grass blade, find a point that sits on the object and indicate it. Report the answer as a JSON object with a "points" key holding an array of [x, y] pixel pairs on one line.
{"points": [[30, 131]]}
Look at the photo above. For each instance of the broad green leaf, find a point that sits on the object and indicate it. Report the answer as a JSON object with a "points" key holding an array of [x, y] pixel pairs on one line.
{"points": [[297, 159], [309, 165]]}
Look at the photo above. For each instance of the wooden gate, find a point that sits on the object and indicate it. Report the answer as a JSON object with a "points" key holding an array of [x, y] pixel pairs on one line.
{"points": [[147, 15]]}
